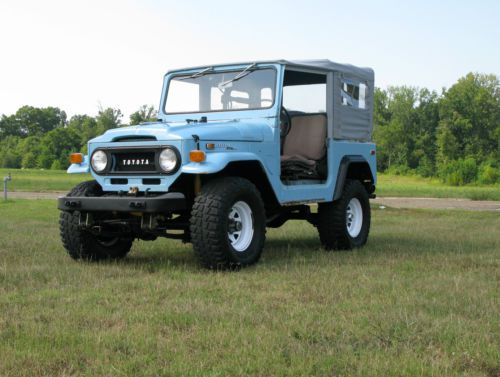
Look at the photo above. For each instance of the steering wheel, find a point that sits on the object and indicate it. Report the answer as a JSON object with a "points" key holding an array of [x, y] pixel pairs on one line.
{"points": [[285, 122]]}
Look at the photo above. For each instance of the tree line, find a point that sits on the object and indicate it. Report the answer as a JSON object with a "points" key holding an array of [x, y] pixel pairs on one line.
{"points": [[453, 135], [43, 138]]}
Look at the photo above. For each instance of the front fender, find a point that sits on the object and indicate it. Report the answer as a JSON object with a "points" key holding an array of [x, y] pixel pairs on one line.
{"points": [[82, 168], [215, 162]]}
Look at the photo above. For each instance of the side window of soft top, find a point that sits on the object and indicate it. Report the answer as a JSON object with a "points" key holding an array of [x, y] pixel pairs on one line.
{"points": [[353, 94], [304, 92]]}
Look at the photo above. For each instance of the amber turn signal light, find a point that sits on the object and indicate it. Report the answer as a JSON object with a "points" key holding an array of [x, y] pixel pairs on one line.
{"points": [[196, 155], [76, 158]]}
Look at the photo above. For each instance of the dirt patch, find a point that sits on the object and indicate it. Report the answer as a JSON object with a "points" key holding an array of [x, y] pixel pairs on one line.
{"points": [[35, 195], [430, 203], [439, 203]]}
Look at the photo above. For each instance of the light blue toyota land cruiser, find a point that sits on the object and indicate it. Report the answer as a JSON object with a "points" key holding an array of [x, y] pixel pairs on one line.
{"points": [[237, 148]]}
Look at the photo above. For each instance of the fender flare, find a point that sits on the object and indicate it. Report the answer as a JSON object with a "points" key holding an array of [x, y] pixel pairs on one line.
{"points": [[345, 163], [216, 162]]}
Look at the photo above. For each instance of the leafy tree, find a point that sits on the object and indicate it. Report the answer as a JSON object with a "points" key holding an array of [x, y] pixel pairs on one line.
{"points": [[405, 120], [108, 118], [423, 155], [57, 146], [9, 127], [9, 156], [86, 127], [31, 121], [381, 113], [144, 114], [29, 149], [470, 119], [459, 172], [395, 132]]}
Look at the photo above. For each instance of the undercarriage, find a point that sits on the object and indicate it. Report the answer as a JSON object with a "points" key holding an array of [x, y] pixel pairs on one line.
{"points": [[145, 226], [148, 217]]}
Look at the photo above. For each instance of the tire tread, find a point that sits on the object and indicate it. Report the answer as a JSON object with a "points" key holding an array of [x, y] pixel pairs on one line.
{"points": [[332, 223], [83, 245], [207, 224]]}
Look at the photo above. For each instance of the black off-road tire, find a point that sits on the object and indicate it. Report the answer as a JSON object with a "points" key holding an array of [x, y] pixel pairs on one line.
{"points": [[210, 223], [332, 224], [81, 244]]}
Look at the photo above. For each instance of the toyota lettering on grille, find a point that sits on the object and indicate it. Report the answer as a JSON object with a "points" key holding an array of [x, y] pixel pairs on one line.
{"points": [[135, 162]]}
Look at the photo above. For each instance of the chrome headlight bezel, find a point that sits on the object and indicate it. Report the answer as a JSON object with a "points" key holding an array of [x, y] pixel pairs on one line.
{"points": [[175, 160], [104, 161]]}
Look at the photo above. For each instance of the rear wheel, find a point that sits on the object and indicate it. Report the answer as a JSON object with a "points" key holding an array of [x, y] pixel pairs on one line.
{"points": [[345, 223], [228, 224], [81, 244]]}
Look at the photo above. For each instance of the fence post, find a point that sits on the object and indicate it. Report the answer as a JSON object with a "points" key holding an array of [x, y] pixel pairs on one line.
{"points": [[5, 180]]}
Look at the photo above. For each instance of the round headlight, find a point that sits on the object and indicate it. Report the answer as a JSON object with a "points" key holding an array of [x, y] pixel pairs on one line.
{"points": [[168, 160], [99, 161]]}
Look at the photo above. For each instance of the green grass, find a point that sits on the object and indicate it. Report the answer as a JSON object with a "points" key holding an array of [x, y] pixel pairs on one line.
{"points": [[421, 299], [42, 180], [388, 185], [415, 186]]}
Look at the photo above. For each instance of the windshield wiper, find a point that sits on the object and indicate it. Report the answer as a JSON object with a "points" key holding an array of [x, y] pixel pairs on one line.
{"points": [[197, 74], [240, 75]]}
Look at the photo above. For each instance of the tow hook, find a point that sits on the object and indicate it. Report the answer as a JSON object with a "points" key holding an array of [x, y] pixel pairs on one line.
{"points": [[85, 220], [148, 222], [96, 229]]}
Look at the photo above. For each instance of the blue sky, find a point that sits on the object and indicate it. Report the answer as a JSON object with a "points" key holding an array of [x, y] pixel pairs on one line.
{"points": [[77, 55]]}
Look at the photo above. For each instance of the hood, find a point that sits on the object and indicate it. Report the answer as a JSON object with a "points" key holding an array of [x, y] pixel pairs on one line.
{"points": [[216, 131]]}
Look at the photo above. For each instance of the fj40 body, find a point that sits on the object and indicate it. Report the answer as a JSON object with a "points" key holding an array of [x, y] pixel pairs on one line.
{"points": [[236, 149]]}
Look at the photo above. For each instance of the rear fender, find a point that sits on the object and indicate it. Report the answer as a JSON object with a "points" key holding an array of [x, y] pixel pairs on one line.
{"points": [[354, 167]]}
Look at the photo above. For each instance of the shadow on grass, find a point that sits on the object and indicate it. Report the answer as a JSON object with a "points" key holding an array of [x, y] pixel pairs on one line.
{"points": [[295, 242], [278, 249], [156, 258], [160, 260]]}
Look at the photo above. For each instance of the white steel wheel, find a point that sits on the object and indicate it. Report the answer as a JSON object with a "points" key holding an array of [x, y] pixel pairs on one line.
{"points": [[241, 227], [354, 217], [344, 224], [228, 224]]}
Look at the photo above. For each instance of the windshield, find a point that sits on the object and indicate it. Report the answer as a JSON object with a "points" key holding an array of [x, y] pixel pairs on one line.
{"points": [[224, 91]]}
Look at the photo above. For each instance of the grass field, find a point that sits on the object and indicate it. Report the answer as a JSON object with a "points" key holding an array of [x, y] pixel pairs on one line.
{"points": [[388, 185], [414, 186], [421, 299], [42, 180]]}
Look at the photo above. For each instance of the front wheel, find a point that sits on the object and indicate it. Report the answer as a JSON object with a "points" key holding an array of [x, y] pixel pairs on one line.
{"points": [[228, 224], [81, 244], [345, 223]]}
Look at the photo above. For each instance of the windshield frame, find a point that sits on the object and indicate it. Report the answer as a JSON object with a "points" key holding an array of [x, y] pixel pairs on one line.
{"points": [[218, 70]]}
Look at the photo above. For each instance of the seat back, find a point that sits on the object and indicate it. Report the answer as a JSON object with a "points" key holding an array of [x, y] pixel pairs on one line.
{"points": [[307, 137]]}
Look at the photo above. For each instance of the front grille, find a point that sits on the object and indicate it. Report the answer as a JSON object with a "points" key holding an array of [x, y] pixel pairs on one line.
{"points": [[137, 160], [134, 161]]}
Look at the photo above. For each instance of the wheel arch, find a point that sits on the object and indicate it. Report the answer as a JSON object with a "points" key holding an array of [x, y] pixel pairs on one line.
{"points": [[248, 169], [254, 172], [357, 168]]}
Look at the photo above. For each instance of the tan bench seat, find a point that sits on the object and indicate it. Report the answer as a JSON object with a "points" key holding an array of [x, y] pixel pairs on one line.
{"points": [[305, 144]]}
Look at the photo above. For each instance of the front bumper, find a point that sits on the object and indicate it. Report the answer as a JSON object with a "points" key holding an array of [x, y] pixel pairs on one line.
{"points": [[172, 201]]}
